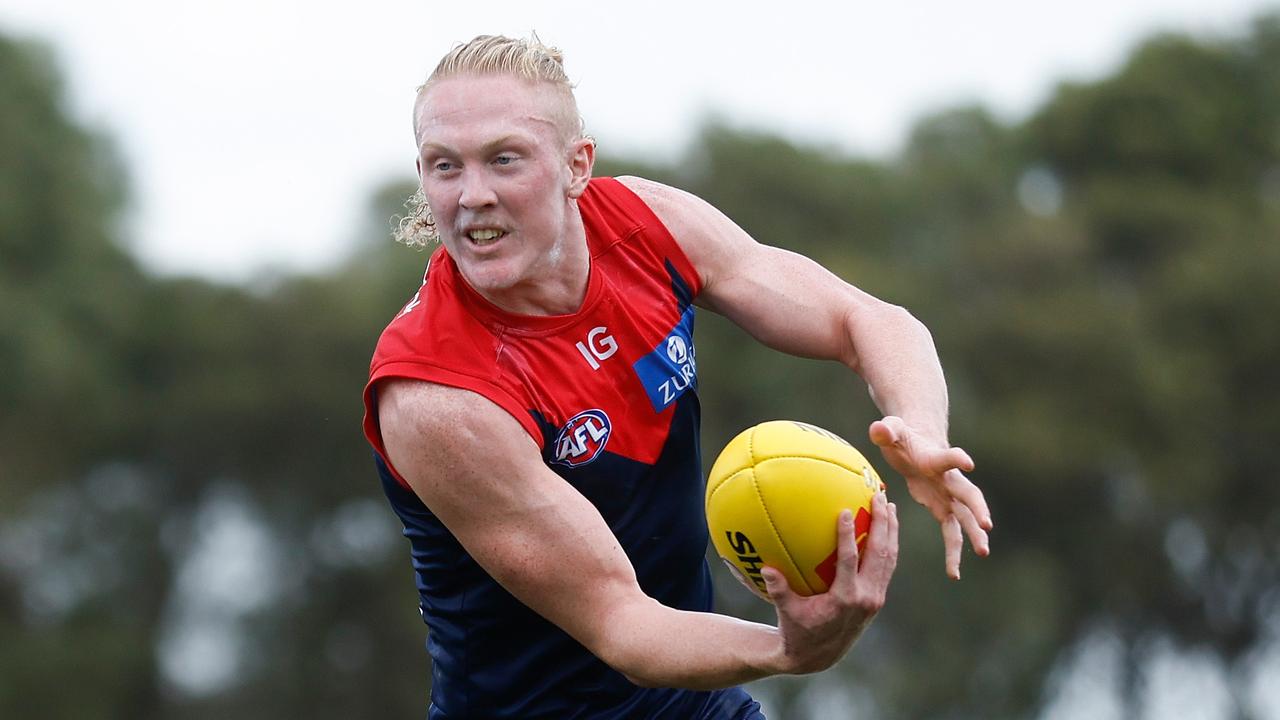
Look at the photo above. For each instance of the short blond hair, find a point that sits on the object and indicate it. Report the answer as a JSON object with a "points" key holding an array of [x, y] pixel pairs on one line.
{"points": [[526, 58]]}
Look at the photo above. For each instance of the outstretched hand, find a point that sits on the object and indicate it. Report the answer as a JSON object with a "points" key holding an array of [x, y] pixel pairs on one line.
{"points": [[935, 478], [818, 630]]}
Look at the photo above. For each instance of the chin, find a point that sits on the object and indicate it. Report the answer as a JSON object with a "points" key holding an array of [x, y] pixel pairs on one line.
{"points": [[489, 279]]}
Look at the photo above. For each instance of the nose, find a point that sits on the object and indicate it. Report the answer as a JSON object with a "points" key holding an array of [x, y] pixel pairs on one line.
{"points": [[476, 191]]}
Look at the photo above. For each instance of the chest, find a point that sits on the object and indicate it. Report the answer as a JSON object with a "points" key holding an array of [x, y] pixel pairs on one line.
{"points": [[609, 381]]}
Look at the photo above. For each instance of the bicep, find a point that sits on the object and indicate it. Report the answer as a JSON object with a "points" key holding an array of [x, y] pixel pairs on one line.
{"points": [[478, 471], [783, 299], [788, 302]]}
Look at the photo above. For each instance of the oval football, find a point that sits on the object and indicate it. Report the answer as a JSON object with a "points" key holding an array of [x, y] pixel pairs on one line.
{"points": [[773, 498]]}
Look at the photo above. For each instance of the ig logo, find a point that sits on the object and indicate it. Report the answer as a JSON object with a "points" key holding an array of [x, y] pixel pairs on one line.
{"points": [[597, 348]]}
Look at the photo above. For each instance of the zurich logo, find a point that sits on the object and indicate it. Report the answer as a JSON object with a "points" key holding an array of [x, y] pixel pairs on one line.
{"points": [[671, 368], [677, 350], [582, 438]]}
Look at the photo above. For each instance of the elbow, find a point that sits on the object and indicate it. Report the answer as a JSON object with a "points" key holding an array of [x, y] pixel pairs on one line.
{"points": [[624, 646], [629, 661], [616, 642]]}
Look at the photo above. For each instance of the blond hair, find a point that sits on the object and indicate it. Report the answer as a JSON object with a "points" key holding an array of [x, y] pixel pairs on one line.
{"points": [[525, 58]]}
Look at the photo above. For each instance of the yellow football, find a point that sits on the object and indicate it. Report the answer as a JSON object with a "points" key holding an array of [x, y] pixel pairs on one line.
{"points": [[773, 498]]}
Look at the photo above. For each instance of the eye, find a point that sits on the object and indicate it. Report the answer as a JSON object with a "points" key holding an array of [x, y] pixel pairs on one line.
{"points": [[504, 159], [442, 166]]}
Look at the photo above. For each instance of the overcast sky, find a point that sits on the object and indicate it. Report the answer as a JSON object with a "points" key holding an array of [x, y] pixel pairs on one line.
{"points": [[255, 130]]}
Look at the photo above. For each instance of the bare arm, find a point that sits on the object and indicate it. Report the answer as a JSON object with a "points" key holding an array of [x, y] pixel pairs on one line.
{"points": [[794, 305], [474, 466]]}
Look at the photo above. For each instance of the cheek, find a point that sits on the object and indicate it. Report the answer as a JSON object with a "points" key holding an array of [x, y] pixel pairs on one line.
{"points": [[532, 199], [438, 198]]}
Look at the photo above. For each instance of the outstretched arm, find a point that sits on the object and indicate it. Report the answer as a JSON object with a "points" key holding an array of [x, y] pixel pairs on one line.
{"points": [[474, 466], [792, 304]]}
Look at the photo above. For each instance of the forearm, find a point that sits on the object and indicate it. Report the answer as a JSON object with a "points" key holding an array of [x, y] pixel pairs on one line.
{"points": [[658, 646], [895, 355]]}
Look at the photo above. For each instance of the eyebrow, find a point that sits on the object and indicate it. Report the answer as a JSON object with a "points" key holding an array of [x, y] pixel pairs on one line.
{"points": [[489, 147]]}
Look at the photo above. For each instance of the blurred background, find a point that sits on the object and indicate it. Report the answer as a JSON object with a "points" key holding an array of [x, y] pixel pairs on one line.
{"points": [[1083, 205]]}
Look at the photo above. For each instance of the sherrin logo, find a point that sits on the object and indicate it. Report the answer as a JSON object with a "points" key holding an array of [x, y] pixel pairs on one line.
{"points": [[582, 438]]}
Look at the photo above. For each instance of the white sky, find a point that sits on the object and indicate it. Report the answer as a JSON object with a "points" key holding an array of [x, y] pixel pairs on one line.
{"points": [[255, 130]]}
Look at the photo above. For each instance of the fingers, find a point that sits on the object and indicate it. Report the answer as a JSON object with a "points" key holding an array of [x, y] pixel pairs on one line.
{"points": [[961, 518], [847, 560], [977, 536], [970, 496], [878, 537], [885, 533], [935, 477], [953, 542], [847, 547], [775, 583], [960, 459], [880, 559], [893, 533], [881, 556], [950, 458]]}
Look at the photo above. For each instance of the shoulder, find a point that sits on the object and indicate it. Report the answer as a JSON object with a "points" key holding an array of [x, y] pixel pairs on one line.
{"points": [[443, 421], [426, 407], [713, 243], [678, 209]]}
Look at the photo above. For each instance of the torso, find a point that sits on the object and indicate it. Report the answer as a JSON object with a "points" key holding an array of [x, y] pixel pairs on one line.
{"points": [[609, 394]]}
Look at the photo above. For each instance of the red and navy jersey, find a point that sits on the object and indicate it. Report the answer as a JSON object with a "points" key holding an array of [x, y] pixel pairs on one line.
{"points": [[609, 394]]}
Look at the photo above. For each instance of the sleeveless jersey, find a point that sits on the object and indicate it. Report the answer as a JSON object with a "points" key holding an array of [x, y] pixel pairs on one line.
{"points": [[608, 393]]}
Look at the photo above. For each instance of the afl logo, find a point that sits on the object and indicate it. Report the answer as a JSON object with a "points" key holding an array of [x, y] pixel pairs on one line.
{"points": [[581, 439], [677, 350]]}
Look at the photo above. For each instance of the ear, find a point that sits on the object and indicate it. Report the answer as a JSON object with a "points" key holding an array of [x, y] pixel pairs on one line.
{"points": [[417, 166], [581, 161]]}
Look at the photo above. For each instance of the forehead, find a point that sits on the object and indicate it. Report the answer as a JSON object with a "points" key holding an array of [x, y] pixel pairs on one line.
{"points": [[471, 107]]}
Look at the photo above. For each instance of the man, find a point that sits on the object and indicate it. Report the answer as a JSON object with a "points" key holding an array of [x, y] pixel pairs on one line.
{"points": [[551, 493]]}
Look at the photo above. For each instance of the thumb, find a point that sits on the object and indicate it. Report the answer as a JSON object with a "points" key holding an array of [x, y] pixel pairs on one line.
{"points": [[776, 585], [886, 432]]}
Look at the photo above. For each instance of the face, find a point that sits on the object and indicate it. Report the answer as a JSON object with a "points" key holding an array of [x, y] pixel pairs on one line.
{"points": [[501, 176]]}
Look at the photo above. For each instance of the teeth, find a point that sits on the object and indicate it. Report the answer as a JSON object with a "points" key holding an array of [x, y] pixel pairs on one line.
{"points": [[484, 235]]}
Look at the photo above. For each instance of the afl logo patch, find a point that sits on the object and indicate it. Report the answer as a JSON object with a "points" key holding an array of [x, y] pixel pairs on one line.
{"points": [[581, 439]]}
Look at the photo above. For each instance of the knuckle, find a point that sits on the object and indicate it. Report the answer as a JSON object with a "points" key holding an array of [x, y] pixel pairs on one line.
{"points": [[869, 603]]}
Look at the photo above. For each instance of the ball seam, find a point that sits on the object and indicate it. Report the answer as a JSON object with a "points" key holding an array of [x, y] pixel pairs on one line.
{"points": [[855, 471], [781, 543]]}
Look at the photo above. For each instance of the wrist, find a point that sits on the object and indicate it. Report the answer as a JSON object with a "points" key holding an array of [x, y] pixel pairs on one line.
{"points": [[777, 661]]}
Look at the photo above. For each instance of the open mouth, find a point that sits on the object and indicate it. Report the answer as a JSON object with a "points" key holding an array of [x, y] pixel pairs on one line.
{"points": [[485, 236]]}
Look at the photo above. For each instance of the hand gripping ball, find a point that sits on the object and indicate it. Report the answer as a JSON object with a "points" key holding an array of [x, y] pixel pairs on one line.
{"points": [[773, 498]]}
